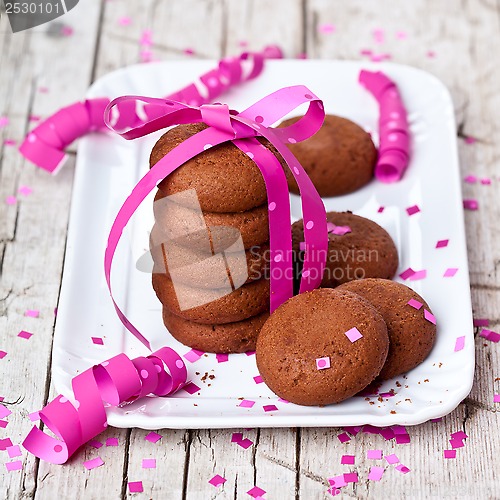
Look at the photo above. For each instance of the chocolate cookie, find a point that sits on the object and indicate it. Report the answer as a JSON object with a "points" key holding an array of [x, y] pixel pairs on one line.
{"points": [[225, 178], [240, 336], [206, 270], [339, 158], [210, 230], [304, 355], [411, 336], [366, 251], [212, 306]]}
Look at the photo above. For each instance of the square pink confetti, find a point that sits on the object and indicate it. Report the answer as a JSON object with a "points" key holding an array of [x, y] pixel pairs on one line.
{"points": [[376, 473], [450, 453], [149, 463], [351, 477], [459, 435], [490, 335], [374, 454], [245, 443], [442, 243], [95, 444], [135, 487], [34, 416], [415, 304], [496, 398], [193, 355], [3, 424], [471, 204], [112, 442], [32, 313], [2, 354], [337, 481], [341, 230], [258, 379], [481, 322], [353, 334], [5, 443], [419, 275], [456, 443], [326, 28], [12, 466], [4, 121], [470, 179], [217, 480], [270, 408], [92, 464], [413, 210], [322, 363], [246, 403], [236, 437], [97, 340], [250, 353], [4, 411], [429, 317], [25, 335], [459, 343], [14, 451], [222, 358], [407, 273], [450, 272], [402, 438], [402, 468], [191, 388], [153, 437], [256, 492], [392, 459], [344, 437], [347, 459], [486, 181]]}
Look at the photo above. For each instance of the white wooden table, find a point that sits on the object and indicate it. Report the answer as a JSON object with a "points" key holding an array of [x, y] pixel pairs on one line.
{"points": [[457, 40]]}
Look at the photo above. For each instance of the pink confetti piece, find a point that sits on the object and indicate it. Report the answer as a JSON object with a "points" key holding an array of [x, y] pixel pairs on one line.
{"points": [[5, 443], [490, 335], [34, 416], [4, 411], [2, 354], [4, 121], [391, 459], [32, 313], [92, 464], [354, 430], [456, 443], [14, 451], [374, 454], [337, 481], [366, 52], [347, 459], [387, 394], [135, 487], [470, 179], [124, 21], [471, 204], [3, 424], [429, 317], [407, 273], [430, 54], [112, 442], [67, 31], [459, 343], [375, 473], [281, 400], [340, 230], [442, 243], [486, 181], [222, 358], [401, 35], [436, 419], [97, 340], [343, 438], [459, 435], [402, 468], [326, 28], [25, 335], [450, 272], [193, 355], [415, 304], [353, 334], [236, 437], [11, 200], [270, 408], [250, 353], [414, 209], [496, 398], [25, 190], [402, 438], [191, 388], [450, 453], [149, 463], [256, 492], [351, 477], [245, 443], [470, 140], [95, 444], [258, 379], [9, 142], [302, 246], [380, 209], [34, 118], [188, 51], [246, 403], [418, 275], [217, 480], [323, 363], [481, 322], [153, 437], [378, 35], [12, 466], [380, 57]]}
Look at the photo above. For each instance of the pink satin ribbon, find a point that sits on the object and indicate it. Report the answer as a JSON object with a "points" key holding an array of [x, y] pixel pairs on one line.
{"points": [[45, 145], [394, 132], [242, 129], [115, 381]]}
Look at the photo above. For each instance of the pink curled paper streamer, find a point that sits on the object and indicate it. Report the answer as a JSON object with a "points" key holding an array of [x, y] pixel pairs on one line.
{"points": [[45, 144], [394, 132], [242, 129], [115, 381]]}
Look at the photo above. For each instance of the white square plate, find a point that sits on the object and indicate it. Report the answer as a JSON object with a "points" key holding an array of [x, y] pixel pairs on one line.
{"points": [[107, 169]]}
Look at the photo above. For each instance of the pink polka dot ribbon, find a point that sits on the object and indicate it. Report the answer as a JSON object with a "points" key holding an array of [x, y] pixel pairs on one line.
{"points": [[242, 129], [45, 145], [394, 132], [115, 381]]}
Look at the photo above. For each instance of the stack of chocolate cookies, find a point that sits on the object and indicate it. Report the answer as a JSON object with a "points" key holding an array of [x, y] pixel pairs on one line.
{"points": [[210, 246]]}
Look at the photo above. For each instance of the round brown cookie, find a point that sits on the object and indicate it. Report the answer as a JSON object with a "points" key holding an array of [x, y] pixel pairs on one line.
{"points": [[225, 178], [205, 270], [240, 336], [411, 336], [311, 326], [203, 230], [366, 252], [339, 158], [212, 306]]}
